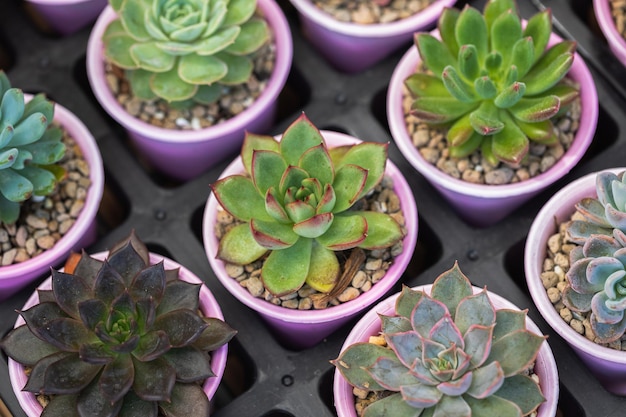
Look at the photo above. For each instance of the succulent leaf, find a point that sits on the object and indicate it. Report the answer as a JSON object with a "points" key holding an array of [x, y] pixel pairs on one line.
{"points": [[324, 269], [527, 403], [420, 395], [477, 341], [515, 351], [461, 130], [285, 271], [469, 65], [391, 374], [550, 68], [538, 28], [425, 84], [21, 344], [510, 144], [382, 230], [352, 364], [493, 404], [187, 400], [484, 120], [407, 346], [457, 86], [487, 380], [474, 310], [434, 53], [506, 30]]}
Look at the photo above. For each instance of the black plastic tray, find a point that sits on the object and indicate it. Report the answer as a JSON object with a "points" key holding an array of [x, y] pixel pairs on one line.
{"points": [[263, 378]]}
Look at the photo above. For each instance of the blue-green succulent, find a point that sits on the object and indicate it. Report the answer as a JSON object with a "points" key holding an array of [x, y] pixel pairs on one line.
{"points": [[597, 284], [30, 149]]}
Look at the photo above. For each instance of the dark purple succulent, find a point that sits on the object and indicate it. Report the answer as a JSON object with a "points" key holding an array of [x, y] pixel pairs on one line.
{"points": [[119, 337]]}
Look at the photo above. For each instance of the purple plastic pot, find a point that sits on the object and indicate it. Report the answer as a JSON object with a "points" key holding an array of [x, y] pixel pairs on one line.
{"points": [[369, 325], [352, 47], [616, 41], [82, 233], [67, 16], [305, 328], [208, 305], [608, 365], [483, 205], [186, 154]]}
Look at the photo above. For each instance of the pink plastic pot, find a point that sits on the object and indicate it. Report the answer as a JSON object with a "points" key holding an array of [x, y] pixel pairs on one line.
{"points": [[484, 205], [68, 16], [608, 365], [186, 154], [616, 41], [369, 325], [305, 328], [354, 47], [208, 305], [82, 233]]}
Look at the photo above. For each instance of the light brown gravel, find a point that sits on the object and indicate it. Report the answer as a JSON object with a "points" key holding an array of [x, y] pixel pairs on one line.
{"points": [[367, 12]]}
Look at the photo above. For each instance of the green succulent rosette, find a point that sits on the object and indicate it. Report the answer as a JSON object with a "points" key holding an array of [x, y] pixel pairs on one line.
{"points": [[181, 50], [495, 83], [294, 203]]}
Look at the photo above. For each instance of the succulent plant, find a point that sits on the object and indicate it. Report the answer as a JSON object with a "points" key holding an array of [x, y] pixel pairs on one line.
{"points": [[181, 50], [604, 213], [493, 82], [294, 202], [119, 337], [450, 353], [29, 149], [597, 284]]}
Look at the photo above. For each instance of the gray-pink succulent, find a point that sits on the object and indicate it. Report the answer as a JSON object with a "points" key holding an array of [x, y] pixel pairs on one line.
{"points": [[450, 353]]}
